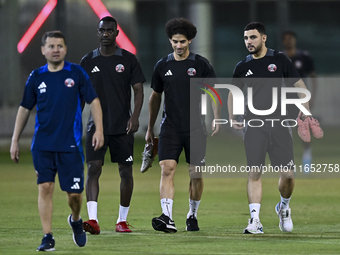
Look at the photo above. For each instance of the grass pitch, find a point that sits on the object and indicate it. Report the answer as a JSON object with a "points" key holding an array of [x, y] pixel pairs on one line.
{"points": [[222, 215]]}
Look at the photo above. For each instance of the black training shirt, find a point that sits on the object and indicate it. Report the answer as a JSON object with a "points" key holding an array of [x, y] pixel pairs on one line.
{"points": [[263, 75], [112, 78], [303, 63], [173, 78]]}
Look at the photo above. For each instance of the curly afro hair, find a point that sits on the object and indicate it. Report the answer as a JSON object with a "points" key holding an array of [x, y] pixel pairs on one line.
{"points": [[180, 26]]}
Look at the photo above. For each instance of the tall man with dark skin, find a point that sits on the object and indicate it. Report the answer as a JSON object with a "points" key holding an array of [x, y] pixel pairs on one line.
{"points": [[113, 71]]}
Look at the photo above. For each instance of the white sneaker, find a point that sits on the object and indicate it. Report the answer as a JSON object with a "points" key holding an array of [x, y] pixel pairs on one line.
{"points": [[149, 154], [147, 158], [254, 227], [286, 223]]}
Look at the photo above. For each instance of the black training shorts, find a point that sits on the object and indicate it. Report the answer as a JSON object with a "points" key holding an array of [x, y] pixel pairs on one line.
{"points": [[277, 141], [121, 148], [172, 143]]}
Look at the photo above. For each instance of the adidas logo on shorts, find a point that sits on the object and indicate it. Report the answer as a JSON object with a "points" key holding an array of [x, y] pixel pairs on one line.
{"points": [[129, 159], [75, 186]]}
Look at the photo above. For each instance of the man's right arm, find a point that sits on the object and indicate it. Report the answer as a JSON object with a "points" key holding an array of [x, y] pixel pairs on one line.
{"points": [[96, 112], [154, 104], [217, 114], [232, 118], [83, 65], [236, 81], [301, 84], [20, 123]]}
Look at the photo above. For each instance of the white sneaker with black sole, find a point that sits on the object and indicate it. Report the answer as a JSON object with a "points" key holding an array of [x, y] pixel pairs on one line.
{"points": [[286, 223], [164, 223], [254, 227]]}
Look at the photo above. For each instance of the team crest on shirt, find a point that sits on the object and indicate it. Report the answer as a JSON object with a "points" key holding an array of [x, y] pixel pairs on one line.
{"points": [[272, 68], [120, 68], [298, 64], [191, 71], [69, 82]]}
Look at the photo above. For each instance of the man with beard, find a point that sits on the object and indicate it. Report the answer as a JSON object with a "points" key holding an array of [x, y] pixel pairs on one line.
{"points": [[263, 71]]}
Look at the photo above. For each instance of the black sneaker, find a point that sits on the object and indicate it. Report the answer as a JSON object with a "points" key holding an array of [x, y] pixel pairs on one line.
{"points": [[47, 243], [164, 223], [79, 235], [192, 224]]}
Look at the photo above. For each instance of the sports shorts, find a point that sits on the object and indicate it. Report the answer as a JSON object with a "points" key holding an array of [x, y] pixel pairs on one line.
{"points": [[121, 148], [171, 144], [69, 165], [277, 141]]}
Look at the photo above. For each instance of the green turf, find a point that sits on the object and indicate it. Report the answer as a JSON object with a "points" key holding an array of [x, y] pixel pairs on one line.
{"points": [[223, 212]]}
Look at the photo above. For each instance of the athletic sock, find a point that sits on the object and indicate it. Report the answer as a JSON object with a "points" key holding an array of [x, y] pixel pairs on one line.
{"points": [[193, 207], [254, 209], [92, 210], [285, 202], [73, 220], [166, 204], [307, 152], [123, 212]]}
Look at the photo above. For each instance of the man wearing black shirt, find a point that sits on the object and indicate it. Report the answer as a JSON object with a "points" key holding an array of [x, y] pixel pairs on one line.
{"points": [[172, 76], [303, 63], [264, 70], [113, 71]]}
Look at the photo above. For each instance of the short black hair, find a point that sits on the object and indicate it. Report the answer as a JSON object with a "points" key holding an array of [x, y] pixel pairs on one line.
{"points": [[256, 25], [55, 34], [289, 32], [180, 26], [109, 19]]}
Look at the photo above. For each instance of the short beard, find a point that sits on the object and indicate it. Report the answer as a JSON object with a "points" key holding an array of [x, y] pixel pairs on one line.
{"points": [[256, 50]]}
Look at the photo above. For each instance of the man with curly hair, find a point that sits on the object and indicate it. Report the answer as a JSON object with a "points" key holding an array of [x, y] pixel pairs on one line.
{"points": [[172, 76]]}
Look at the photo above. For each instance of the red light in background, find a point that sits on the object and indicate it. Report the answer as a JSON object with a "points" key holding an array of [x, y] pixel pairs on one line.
{"points": [[97, 6], [33, 29], [122, 40]]}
